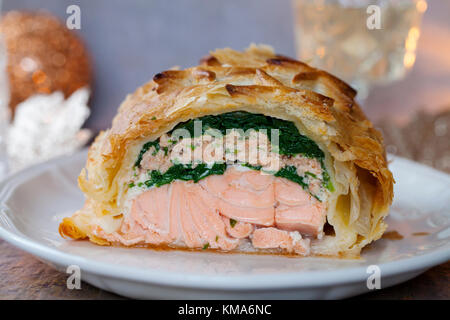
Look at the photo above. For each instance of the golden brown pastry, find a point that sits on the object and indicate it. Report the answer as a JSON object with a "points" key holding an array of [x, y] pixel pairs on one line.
{"points": [[328, 194]]}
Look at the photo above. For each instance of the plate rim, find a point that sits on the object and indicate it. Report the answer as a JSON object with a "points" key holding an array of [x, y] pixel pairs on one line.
{"points": [[299, 279]]}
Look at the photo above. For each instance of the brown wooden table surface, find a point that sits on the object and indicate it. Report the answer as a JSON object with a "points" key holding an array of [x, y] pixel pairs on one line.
{"points": [[25, 277]]}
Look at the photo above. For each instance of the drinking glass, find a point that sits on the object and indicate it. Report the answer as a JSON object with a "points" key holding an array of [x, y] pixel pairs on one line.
{"points": [[345, 38]]}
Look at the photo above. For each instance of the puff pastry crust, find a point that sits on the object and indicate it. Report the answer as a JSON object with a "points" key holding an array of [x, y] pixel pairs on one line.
{"points": [[258, 81]]}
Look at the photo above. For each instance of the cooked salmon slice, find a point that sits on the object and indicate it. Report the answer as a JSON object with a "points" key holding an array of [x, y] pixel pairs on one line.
{"points": [[222, 210], [273, 238], [238, 229], [188, 230], [209, 224], [297, 210], [245, 196], [147, 212]]}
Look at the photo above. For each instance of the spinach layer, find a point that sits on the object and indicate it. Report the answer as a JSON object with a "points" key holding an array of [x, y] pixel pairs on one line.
{"points": [[185, 173], [291, 143]]}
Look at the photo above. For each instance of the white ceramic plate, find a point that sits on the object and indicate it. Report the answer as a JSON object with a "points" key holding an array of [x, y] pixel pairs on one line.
{"points": [[33, 202]]}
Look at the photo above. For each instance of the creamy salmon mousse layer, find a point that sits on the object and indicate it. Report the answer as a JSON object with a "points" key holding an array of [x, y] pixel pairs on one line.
{"points": [[236, 190]]}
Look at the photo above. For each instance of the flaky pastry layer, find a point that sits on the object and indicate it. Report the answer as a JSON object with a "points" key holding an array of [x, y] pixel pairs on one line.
{"points": [[258, 81]]}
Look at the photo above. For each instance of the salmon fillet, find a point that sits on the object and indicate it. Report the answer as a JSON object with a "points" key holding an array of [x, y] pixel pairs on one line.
{"points": [[224, 211]]}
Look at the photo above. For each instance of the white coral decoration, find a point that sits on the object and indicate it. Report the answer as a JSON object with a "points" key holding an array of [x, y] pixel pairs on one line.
{"points": [[46, 126]]}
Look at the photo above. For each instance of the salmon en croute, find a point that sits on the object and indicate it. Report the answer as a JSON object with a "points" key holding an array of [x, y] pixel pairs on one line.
{"points": [[247, 152]]}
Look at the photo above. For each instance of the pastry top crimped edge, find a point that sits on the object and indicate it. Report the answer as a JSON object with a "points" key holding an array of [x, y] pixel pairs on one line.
{"points": [[255, 80]]}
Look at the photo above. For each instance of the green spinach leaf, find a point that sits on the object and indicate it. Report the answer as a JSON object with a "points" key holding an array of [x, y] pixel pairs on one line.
{"points": [[184, 173], [291, 142]]}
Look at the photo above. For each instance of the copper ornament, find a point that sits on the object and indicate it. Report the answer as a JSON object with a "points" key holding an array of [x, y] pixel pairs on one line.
{"points": [[43, 56]]}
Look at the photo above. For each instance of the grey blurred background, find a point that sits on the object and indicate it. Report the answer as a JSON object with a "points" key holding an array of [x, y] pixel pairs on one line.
{"points": [[131, 40]]}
